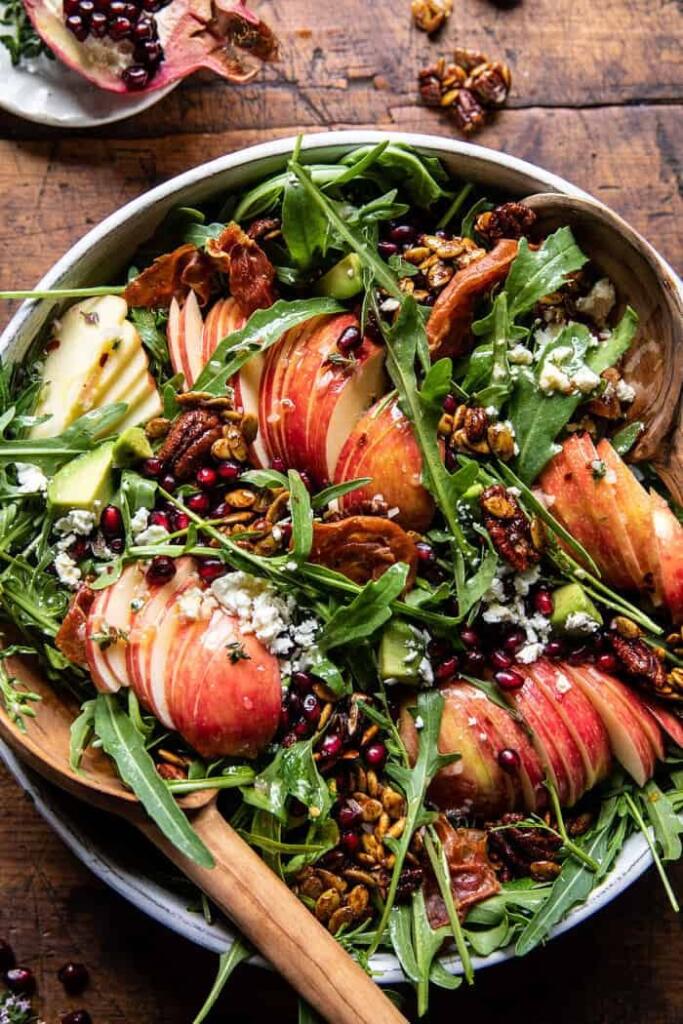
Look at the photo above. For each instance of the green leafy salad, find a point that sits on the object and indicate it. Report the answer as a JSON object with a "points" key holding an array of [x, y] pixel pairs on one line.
{"points": [[323, 504]]}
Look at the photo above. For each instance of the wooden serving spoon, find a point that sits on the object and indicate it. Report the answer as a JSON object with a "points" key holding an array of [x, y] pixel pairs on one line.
{"points": [[241, 884], [654, 363]]}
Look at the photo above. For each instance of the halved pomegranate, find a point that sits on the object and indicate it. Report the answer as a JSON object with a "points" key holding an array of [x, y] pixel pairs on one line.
{"points": [[140, 45]]}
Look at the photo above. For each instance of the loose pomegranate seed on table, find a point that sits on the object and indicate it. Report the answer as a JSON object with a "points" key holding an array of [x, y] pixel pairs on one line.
{"points": [[74, 977], [76, 1017], [20, 980]]}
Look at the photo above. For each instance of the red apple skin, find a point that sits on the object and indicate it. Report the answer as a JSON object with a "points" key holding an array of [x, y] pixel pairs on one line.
{"points": [[475, 785], [579, 716], [225, 708], [635, 510], [637, 706], [382, 446], [667, 720], [224, 317], [629, 738], [668, 534], [111, 608], [184, 333], [301, 389]]}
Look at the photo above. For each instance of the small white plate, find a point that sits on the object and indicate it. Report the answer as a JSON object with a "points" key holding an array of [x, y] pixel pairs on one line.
{"points": [[48, 92]]}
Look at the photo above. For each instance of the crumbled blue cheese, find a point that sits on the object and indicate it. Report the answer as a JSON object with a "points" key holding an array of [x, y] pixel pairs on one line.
{"points": [[139, 522], [419, 722], [553, 379], [154, 534], [599, 302], [195, 604], [625, 393], [508, 608], [67, 570], [78, 521], [30, 479], [585, 380], [581, 622], [520, 355]]}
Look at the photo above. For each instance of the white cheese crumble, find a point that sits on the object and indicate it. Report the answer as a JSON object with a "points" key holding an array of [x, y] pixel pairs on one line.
{"points": [[30, 479], [529, 653], [625, 393], [139, 522], [599, 302], [77, 521], [154, 534], [562, 684], [67, 571], [520, 355], [419, 722], [195, 603], [554, 379], [506, 608], [581, 622], [585, 380]]}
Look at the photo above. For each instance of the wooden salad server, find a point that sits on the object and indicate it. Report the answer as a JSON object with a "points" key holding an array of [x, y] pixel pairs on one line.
{"points": [[654, 364], [241, 884]]}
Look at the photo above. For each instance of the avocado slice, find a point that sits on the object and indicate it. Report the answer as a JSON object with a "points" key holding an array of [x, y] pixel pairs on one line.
{"points": [[343, 280], [130, 447], [574, 613], [401, 650], [86, 482]]}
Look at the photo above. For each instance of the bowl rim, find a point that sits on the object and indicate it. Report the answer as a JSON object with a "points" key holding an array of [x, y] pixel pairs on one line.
{"points": [[162, 904]]}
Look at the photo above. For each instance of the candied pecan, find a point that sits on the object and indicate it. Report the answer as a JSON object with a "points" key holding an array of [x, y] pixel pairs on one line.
{"points": [[544, 870], [448, 327], [265, 227], [642, 663], [430, 15], [409, 881], [511, 220], [250, 272], [190, 440], [508, 527], [471, 873], [363, 547], [490, 83], [70, 639], [513, 850], [468, 60], [438, 84], [170, 276], [467, 112], [476, 422]]}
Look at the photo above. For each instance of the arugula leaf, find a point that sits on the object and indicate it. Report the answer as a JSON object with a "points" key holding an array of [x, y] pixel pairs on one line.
{"points": [[664, 820], [328, 494], [470, 591], [227, 962], [416, 174], [304, 227], [148, 323], [624, 439], [414, 783], [51, 452], [292, 773], [266, 195], [80, 734], [302, 517], [439, 863], [369, 610], [416, 945], [538, 418], [124, 744], [454, 207], [264, 478], [263, 328]]}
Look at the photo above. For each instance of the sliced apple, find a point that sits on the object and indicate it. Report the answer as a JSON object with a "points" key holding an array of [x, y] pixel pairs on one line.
{"points": [[382, 446], [667, 720], [108, 627], [94, 354], [668, 535], [224, 318], [147, 406], [628, 735], [184, 333], [485, 717], [579, 716], [309, 402]]}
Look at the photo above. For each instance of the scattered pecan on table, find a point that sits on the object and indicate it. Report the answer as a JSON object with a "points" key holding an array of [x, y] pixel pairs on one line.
{"points": [[467, 88], [508, 527], [431, 15]]}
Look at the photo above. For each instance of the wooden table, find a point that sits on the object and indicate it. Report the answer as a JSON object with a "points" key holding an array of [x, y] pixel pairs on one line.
{"points": [[597, 96]]}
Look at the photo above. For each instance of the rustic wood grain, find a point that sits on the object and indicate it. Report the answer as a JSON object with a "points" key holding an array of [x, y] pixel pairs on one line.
{"points": [[598, 97]]}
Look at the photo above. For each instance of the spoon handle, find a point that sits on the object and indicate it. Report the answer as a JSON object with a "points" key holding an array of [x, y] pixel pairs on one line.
{"points": [[279, 925]]}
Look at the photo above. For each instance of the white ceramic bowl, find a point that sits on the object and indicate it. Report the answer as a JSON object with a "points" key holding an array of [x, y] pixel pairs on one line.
{"points": [[111, 852]]}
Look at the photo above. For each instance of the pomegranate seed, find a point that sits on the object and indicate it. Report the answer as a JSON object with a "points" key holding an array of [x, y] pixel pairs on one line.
{"points": [[375, 754], [150, 52], [152, 467], [144, 29], [7, 958], [543, 602], [278, 465], [211, 570], [306, 480], [447, 669], [606, 663], [439, 649], [288, 740], [198, 503], [578, 656], [402, 233], [70, 7], [350, 815], [474, 662], [229, 470], [180, 521], [111, 521], [157, 518], [301, 729], [74, 977], [331, 745], [508, 679], [294, 703], [86, 9], [349, 841], [469, 637], [76, 1017], [387, 249], [554, 649], [285, 532], [514, 640], [117, 545], [284, 717], [449, 404], [350, 340], [98, 24], [20, 980], [311, 707], [135, 77], [425, 552], [161, 570], [509, 759], [79, 549], [206, 478], [500, 660], [221, 510], [119, 29], [116, 9], [168, 482], [451, 460], [130, 11], [77, 27], [303, 681]]}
